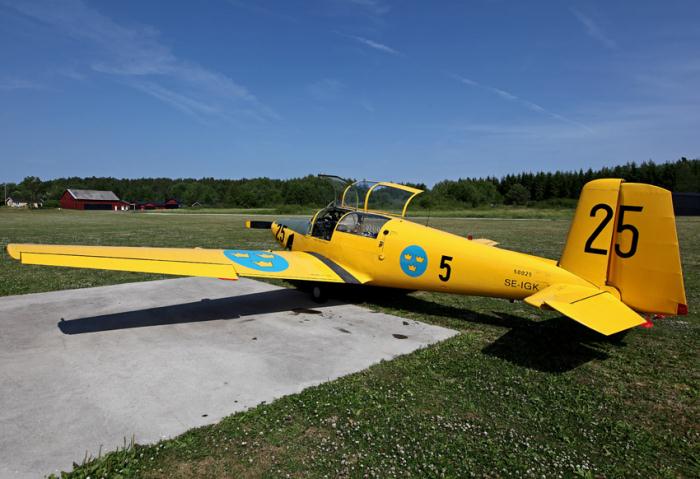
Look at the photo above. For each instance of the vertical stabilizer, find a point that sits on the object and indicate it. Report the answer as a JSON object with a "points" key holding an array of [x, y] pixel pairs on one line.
{"points": [[587, 251]]}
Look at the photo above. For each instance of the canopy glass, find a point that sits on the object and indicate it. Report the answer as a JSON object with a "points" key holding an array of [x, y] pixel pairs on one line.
{"points": [[379, 196]]}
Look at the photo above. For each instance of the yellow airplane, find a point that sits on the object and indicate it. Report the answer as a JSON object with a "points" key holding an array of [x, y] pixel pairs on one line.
{"points": [[621, 256]]}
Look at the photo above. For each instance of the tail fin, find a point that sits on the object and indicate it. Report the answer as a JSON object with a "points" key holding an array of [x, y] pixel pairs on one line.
{"points": [[624, 236]]}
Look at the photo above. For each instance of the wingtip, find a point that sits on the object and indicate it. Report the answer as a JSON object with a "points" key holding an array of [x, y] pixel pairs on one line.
{"points": [[14, 251]]}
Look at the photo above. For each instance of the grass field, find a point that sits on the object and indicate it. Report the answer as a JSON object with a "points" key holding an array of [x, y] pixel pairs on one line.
{"points": [[501, 211], [519, 393]]}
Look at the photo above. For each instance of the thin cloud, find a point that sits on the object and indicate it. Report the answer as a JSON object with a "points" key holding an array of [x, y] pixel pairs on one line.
{"points": [[593, 30], [70, 73], [135, 54], [178, 101], [9, 84], [465, 80], [506, 95], [375, 45]]}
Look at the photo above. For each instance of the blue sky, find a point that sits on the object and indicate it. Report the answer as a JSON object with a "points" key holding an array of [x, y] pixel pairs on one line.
{"points": [[399, 90]]}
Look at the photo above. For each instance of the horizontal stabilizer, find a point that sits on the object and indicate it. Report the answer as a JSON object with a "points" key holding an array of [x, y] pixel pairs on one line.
{"points": [[485, 241], [592, 307], [258, 225]]}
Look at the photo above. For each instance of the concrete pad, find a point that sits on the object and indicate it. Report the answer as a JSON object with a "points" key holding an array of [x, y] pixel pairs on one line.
{"points": [[84, 369]]}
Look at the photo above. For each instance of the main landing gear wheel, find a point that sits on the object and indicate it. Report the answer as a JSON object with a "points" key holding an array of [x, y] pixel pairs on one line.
{"points": [[318, 293]]}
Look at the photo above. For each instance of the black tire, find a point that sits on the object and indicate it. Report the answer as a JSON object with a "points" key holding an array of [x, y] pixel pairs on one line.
{"points": [[319, 293]]}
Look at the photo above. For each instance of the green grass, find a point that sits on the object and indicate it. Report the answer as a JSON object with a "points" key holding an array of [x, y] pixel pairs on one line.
{"points": [[500, 211], [208, 210], [518, 393]]}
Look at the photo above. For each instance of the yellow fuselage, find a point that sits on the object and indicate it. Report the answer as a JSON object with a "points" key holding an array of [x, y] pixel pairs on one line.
{"points": [[408, 255]]}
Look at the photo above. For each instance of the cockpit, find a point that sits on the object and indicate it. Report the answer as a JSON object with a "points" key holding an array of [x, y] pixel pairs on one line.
{"points": [[362, 207], [362, 224], [333, 218], [325, 222]]}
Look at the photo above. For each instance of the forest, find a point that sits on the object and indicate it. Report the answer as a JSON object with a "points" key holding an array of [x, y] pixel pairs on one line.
{"points": [[555, 189]]}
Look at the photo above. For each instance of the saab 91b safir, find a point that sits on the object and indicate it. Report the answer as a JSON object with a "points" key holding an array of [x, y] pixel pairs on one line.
{"points": [[621, 256]]}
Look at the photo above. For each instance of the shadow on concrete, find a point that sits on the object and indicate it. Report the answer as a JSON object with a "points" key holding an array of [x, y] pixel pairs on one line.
{"points": [[274, 301], [553, 345]]}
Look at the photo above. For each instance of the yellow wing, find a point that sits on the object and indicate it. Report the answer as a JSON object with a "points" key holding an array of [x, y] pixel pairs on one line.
{"points": [[225, 264], [590, 306]]}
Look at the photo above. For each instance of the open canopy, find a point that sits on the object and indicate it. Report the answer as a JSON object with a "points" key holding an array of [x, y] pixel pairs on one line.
{"points": [[378, 196]]}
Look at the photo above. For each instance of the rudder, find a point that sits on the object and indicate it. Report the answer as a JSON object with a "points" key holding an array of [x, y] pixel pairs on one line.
{"points": [[646, 264]]}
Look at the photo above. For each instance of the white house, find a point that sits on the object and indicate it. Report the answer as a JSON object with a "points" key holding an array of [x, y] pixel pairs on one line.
{"points": [[16, 204]]}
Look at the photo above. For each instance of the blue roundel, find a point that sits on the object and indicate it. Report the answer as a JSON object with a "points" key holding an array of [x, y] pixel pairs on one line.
{"points": [[413, 261], [258, 260]]}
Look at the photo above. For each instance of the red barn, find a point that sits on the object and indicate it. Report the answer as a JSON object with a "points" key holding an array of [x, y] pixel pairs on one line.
{"points": [[92, 200], [169, 204]]}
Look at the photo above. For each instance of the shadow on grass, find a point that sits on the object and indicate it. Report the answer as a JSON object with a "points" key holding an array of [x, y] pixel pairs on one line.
{"points": [[205, 310], [553, 345]]}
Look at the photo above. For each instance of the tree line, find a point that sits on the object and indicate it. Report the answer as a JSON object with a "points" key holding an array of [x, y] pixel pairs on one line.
{"points": [[560, 188]]}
